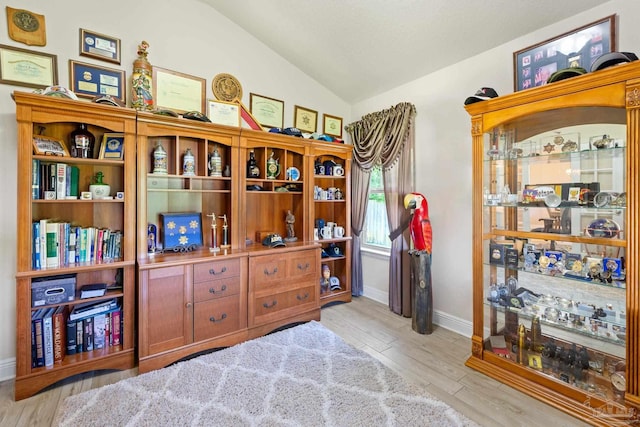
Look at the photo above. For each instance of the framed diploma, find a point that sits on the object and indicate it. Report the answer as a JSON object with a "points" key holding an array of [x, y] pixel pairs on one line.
{"points": [[267, 111], [99, 46], [178, 92], [305, 119], [89, 81], [22, 67], [332, 125], [223, 113]]}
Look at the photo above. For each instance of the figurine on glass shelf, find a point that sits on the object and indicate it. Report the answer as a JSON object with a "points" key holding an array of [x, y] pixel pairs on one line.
{"points": [[290, 220]]}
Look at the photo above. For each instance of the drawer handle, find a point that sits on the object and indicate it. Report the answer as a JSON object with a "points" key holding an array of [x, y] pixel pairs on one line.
{"points": [[267, 273], [303, 267], [302, 298], [222, 289], [213, 272], [214, 320], [267, 305]]}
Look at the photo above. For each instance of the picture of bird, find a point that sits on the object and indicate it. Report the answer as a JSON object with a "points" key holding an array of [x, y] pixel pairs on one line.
{"points": [[420, 226]]}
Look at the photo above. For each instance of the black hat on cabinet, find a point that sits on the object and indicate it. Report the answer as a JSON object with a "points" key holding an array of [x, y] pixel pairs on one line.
{"points": [[482, 94], [612, 58]]}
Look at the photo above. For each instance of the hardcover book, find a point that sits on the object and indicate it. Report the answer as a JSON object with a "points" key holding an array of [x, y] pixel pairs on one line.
{"points": [[71, 336], [59, 332], [93, 290], [99, 331], [47, 334]]}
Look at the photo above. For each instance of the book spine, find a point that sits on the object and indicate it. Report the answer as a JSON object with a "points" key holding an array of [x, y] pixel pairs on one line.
{"points": [[52, 239], [52, 177], [72, 245], [75, 177], [43, 243], [33, 340], [71, 336], [47, 333], [99, 245], [39, 339], [61, 181], [67, 181], [107, 329], [87, 336], [115, 327], [59, 331], [99, 331], [79, 336], [36, 245], [35, 179]]}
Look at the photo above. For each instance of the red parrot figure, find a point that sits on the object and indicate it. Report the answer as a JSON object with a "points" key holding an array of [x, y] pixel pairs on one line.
{"points": [[420, 225]]}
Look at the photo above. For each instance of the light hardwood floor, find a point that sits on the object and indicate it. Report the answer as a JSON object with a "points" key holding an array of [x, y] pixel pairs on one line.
{"points": [[435, 361]]}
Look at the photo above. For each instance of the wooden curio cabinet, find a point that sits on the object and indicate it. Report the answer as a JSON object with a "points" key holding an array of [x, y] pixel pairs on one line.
{"points": [[86, 239], [555, 242]]}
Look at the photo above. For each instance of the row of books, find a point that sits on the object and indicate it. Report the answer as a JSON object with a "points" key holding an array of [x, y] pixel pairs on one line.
{"points": [[56, 332], [54, 181], [59, 243]]}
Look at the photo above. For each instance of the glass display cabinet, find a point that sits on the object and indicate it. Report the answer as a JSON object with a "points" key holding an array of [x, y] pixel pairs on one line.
{"points": [[555, 246]]}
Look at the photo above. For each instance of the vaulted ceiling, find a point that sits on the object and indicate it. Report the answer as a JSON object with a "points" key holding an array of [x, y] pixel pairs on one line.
{"points": [[361, 48]]}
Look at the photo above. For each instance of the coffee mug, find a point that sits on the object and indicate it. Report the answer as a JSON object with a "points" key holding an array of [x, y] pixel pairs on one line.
{"points": [[338, 231], [316, 235], [326, 232]]}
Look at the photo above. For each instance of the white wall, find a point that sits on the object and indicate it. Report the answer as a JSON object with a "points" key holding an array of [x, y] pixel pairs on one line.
{"points": [[443, 153], [184, 36]]}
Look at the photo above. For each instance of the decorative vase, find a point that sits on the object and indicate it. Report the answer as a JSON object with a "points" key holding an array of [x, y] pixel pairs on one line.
{"points": [[159, 160], [82, 142], [215, 164], [188, 163], [99, 190], [141, 81]]}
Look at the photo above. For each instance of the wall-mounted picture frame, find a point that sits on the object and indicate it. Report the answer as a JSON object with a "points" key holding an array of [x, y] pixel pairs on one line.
{"points": [[89, 81], [332, 125], [305, 119], [533, 65], [27, 68], [178, 92], [112, 147], [267, 111], [99, 46], [49, 146], [223, 112]]}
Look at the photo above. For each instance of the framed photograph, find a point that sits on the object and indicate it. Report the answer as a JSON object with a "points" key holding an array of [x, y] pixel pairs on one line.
{"points": [[267, 111], [178, 92], [99, 46], [223, 112], [89, 81], [49, 146], [332, 125], [305, 119], [112, 147], [22, 67], [533, 65], [181, 231]]}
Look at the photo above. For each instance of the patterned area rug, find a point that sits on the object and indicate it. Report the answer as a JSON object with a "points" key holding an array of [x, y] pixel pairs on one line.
{"points": [[302, 376]]}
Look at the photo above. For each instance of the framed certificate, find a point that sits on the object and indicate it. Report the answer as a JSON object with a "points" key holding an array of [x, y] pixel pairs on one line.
{"points": [[267, 111], [178, 92], [223, 113], [99, 46], [332, 125], [305, 119], [22, 67], [89, 81]]}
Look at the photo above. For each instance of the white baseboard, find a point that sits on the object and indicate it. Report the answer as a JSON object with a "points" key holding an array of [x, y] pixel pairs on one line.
{"points": [[7, 369], [440, 318]]}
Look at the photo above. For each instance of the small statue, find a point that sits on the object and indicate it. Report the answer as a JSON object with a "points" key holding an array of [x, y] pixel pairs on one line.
{"points": [[324, 281], [290, 220]]}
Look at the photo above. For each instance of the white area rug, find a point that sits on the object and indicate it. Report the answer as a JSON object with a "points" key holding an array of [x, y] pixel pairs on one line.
{"points": [[302, 376]]}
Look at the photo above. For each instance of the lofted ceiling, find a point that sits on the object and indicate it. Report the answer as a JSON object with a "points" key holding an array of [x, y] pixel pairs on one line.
{"points": [[361, 48]]}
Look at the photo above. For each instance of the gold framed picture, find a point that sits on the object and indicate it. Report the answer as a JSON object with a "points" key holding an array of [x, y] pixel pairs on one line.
{"points": [[332, 125], [305, 119], [23, 67], [178, 92], [112, 147], [267, 111], [49, 146]]}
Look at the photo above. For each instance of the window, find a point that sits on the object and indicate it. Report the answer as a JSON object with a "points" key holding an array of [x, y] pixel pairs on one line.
{"points": [[376, 226]]}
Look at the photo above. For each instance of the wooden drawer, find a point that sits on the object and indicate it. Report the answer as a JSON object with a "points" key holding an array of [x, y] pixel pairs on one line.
{"points": [[216, 317], [269, 270], [215, 270], [215, 289], [302, 265], [285, 301]]}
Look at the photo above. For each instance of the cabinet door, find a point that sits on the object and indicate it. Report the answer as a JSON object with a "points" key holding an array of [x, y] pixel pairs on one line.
{"points": [[167, 312]]}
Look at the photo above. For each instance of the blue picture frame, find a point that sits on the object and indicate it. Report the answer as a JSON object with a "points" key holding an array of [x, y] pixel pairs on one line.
{"points": [[181, 232], [89, 81]]}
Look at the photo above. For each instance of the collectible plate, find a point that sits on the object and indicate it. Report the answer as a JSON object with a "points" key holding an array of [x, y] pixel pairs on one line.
{"points": [[226, 88], [293, 174]]}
